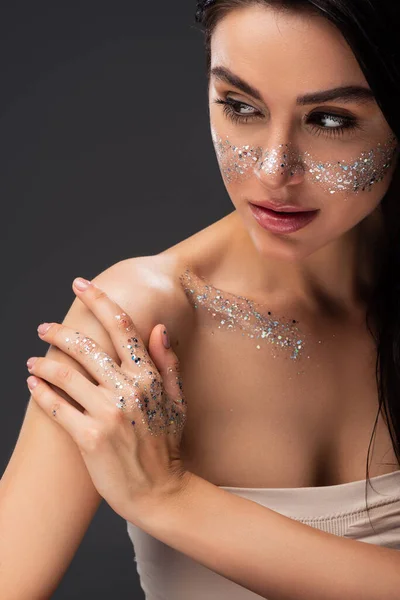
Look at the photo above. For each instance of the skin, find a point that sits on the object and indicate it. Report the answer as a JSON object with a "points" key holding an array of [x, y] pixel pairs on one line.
{"points": [[316, 426], [256, 418], [129, 433], [323, 259]]}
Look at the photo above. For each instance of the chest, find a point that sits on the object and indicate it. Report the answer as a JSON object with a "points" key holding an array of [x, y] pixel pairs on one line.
{"points": [[258, 418]]}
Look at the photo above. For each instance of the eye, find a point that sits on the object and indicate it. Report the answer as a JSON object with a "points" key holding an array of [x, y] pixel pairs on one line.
{"points": [[325, 123], [331, 124], [232, 110]]}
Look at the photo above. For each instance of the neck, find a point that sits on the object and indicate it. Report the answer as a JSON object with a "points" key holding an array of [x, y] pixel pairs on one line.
{"points": [[339, 276]]}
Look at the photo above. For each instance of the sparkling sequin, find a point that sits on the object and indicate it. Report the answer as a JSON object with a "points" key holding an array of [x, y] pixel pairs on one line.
{"points": [[239, 163], [239, 313], [142, 390]]}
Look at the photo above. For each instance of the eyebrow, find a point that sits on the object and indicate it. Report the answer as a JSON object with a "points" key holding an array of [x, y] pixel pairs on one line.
{"points": [[348, 93]]}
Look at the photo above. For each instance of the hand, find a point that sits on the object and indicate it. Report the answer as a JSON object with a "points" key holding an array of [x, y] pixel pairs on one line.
{"points": [[130, 430]]}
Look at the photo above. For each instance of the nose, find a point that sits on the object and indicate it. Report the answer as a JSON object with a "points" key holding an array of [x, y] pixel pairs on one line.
{"points": [[280, 166]]}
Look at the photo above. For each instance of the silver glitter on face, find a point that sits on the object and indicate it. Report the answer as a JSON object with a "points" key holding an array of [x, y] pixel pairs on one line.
{"points": [[239, 163], [238, 313], [159, 413]]}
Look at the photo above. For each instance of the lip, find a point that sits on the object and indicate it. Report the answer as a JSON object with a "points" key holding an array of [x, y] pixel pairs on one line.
{"points": [[282, 223], [282, 207]]}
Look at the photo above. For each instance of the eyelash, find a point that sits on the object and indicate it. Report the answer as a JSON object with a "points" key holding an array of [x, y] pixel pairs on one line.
{"points": [[349, 122]]}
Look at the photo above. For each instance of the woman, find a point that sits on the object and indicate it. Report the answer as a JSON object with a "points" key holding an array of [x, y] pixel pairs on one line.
{"points": [[267, 313]]}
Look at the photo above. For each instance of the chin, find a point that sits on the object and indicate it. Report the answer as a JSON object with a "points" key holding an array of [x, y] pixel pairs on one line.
{"points": [[283, 247]]}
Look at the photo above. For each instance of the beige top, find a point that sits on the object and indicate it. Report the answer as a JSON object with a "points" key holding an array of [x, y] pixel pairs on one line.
{"points": [[166, 574]]}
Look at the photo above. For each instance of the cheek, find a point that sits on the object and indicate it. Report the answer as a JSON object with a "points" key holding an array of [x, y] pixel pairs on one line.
{"points": [[347, 209], [342, 213], [238, 163], [357, 175]]}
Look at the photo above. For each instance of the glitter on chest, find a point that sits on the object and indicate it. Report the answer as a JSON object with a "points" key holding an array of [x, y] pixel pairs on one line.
{"points": [[238, 313]]}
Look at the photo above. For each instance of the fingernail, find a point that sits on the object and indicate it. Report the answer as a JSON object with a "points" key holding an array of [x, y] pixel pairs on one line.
{"points": [[166, 341], [31, 361], [81, 284], [32, 382], [43, 328]]}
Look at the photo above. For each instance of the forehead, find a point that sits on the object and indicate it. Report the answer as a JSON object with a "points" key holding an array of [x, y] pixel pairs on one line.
{"points": [[284, 51]]}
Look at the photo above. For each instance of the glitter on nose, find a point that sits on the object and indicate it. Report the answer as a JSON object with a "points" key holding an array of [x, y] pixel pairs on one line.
{"points": [[370, 167]]}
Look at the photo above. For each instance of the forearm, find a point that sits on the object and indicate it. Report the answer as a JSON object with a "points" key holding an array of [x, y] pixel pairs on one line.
{"points": [[268, 553]]}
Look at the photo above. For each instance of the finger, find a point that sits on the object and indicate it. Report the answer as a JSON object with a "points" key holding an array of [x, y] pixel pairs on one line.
{"points": [[57, 407], [167, 363], [87, 352], [76, 385], [118, 324], [96, 402]]}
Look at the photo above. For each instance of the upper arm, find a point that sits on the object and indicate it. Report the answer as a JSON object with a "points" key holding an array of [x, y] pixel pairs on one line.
{"points": [[47, 498]]}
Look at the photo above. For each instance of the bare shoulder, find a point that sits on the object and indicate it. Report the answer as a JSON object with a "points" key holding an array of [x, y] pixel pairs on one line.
{"points": [[148, 289], [39, 495]]}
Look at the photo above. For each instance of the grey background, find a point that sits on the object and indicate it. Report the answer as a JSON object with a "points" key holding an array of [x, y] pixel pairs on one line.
{"points": [[105, 154]]}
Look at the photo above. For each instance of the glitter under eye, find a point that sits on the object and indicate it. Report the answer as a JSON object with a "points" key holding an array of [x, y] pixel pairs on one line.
{"points": [[239, 163], [238, 313]]}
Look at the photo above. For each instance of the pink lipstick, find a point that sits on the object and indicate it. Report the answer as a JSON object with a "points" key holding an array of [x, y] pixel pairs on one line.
{"points": [[282, 221]]}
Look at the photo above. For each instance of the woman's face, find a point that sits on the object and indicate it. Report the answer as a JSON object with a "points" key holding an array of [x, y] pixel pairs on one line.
{"points": [[277, 142]]}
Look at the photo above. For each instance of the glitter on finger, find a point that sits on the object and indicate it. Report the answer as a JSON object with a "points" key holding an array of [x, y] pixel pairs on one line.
{"points": [[160, 414], [124, 322]]}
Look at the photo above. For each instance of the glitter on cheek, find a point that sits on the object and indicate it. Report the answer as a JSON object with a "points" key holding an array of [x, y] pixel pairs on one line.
{"points": [[239, 163], [236, 163], [240, 167], [358, 175], [238, 313]]}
